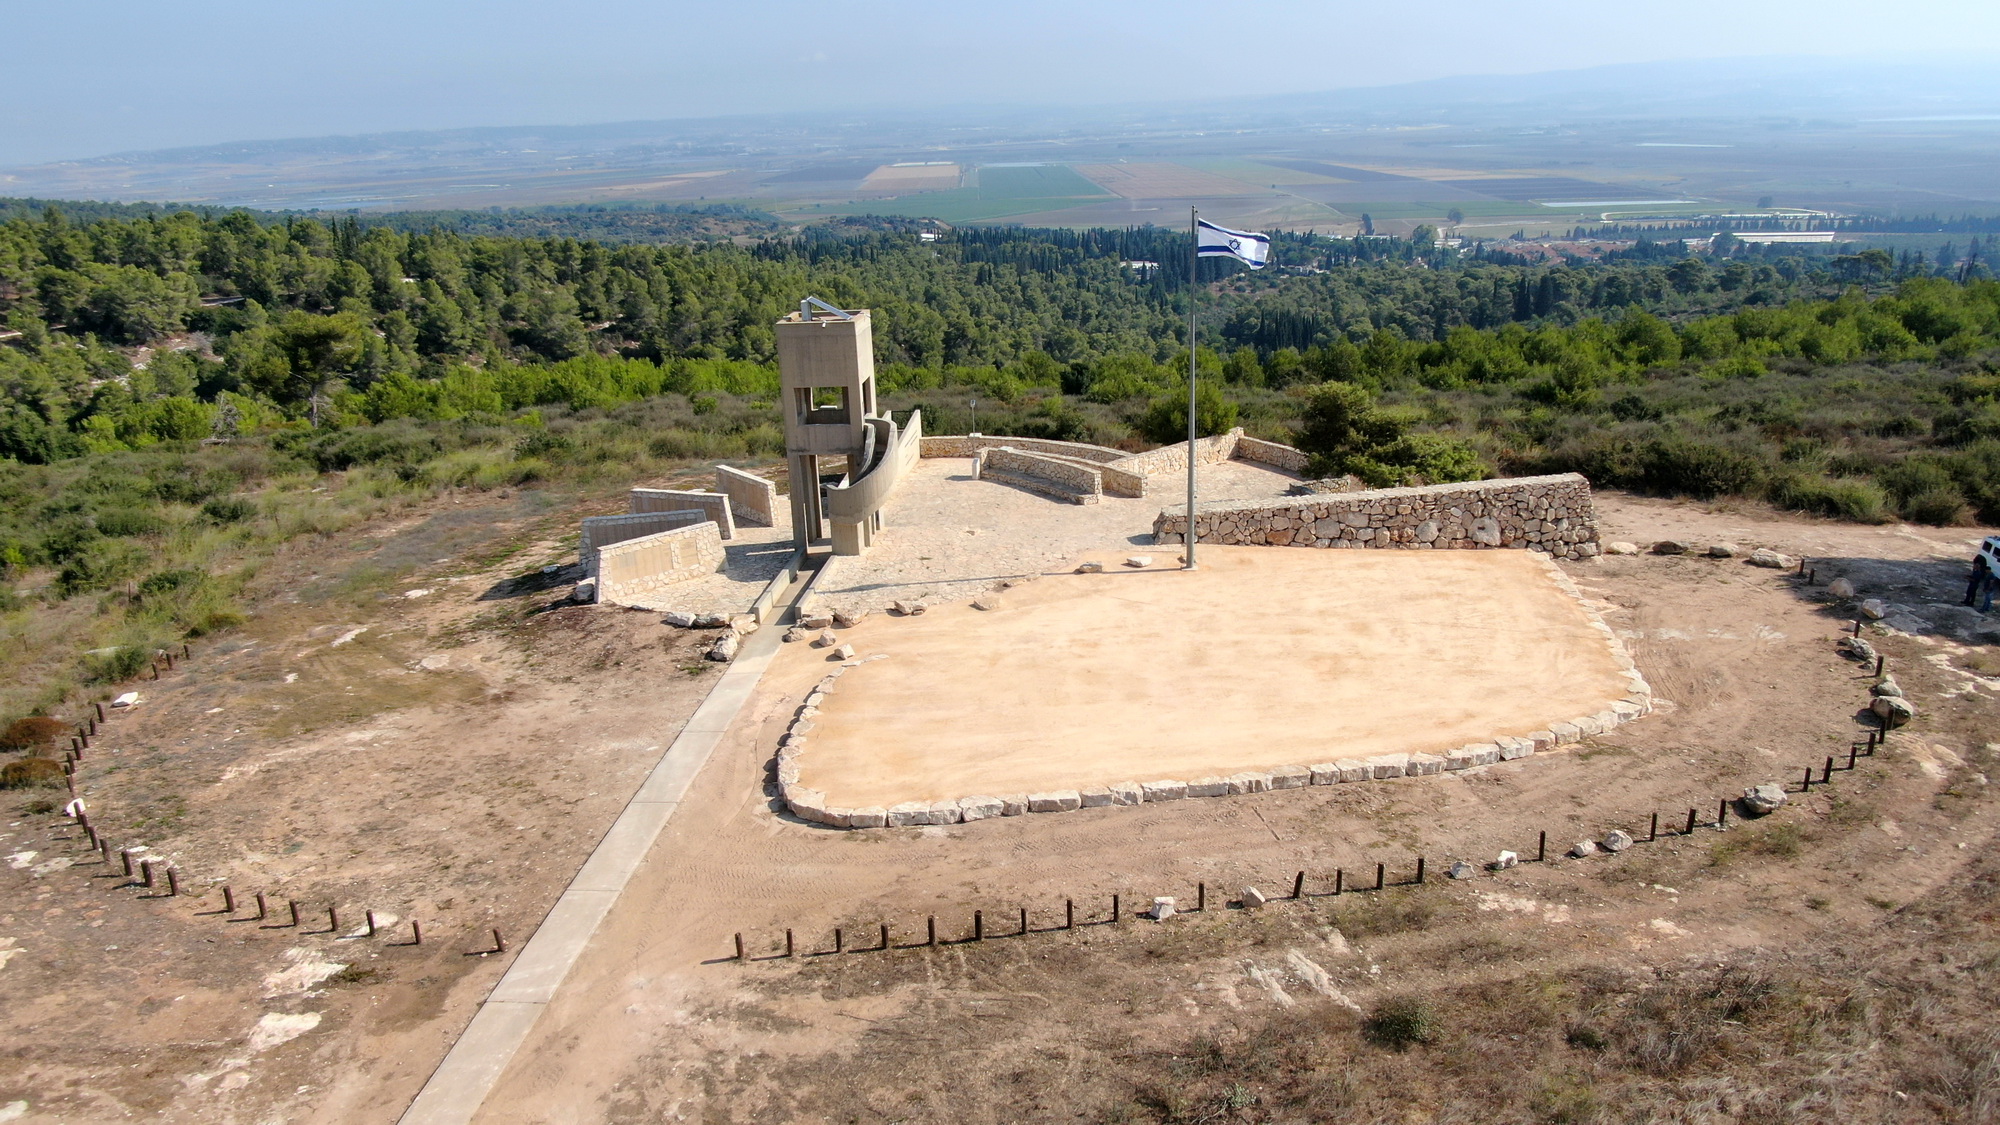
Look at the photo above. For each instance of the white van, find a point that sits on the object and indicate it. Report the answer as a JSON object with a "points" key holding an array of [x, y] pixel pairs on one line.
{"points": [[1989, 552]]}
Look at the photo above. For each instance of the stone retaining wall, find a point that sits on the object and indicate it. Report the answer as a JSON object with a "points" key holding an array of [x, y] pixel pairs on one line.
{"points": [[1173, 458], [602, 531], [1271, 453], [635, 567], [813, 805], [965, 445], [1551, 514], [1071, 476], [713, 504], [752, 499]]}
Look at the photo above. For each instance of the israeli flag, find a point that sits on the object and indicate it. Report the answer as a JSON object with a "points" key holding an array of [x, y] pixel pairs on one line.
{"points": [[1248, 247]]}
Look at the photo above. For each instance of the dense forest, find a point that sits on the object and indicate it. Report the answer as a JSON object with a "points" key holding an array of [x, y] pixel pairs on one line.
{"points": [[181, 390]]}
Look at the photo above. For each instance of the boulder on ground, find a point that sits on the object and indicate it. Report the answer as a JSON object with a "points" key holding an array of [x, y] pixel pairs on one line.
{"points": [[1671, 547], [585, 592], [1621, 548], [906, 609], [844, 652], [1769, 559], [816, 619], [1163, 908], [826, 639], [680, 620], [796, 633], [1506, 860], [710, 621], [1253, 898], [1893, 710], [1090, 568], [724, 648], [1139, 561], [1583, 848], [1723, 550], [987, 604], [1840, 588], [1874, 609], [1854, 648], [1888, 686], [1460, 869], [1762, 800], [1616, 840], [848, 618]]}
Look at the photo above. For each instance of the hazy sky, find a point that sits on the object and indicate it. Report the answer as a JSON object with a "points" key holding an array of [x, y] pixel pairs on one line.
{"points": [[86, 77]]}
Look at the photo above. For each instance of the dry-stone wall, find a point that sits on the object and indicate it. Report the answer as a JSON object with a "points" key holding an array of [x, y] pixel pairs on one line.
{"points": [[812, 804], [1271, 453], [714, 505], [1173, 458], [636, 567], [1070, 479], [752, 499], [1551, 514]]}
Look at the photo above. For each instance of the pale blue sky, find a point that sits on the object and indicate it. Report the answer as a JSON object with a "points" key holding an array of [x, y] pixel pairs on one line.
{"points": [[85, 77]]}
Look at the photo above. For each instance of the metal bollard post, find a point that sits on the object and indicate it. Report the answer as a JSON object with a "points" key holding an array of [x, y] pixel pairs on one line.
{"points": [[332, 918], [100, 711], [145, 872], [789, 947], [1852, 753], [930, 925], [978, 925], [1115, 914], [1024, 920], [499, 943], [294, 905], [1542, 848], [1069, 914], [1806, 785], [228, 900], [839, 940], [1827, 775], [1420, 870], [1689, 830], [371, 926], [739, 948], [1200, 897], [416, 933], [885, 937], [1722, 813], [1299, 885], [263, 909], [1381, 873], [1878, 664], [173, 884], [1654, 833], [1339, 878]]}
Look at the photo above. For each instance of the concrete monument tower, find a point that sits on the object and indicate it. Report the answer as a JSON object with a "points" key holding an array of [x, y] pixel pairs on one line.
{"points": [[843, 457]]}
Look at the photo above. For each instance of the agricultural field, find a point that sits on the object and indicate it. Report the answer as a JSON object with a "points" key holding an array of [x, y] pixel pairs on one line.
{"points": [[927, 176], [1161, 181], [995, 191]]}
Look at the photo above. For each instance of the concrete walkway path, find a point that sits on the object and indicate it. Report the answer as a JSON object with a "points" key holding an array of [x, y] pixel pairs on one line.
{"points": [[461, 1082]]}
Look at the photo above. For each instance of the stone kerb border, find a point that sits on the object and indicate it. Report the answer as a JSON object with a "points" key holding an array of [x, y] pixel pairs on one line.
{"points": [[812, 805], [1552, 514]]}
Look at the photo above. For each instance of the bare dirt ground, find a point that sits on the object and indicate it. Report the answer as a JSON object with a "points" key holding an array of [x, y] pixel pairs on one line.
{"points": [[1081, 680], [1832, 962]]}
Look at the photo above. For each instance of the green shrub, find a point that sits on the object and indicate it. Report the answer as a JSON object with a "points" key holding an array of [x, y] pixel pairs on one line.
{"points": [[99, 568], [231, 509], [1682, 466], [115, 665], [1856, 500], [127, 522], [1402, 1022]]}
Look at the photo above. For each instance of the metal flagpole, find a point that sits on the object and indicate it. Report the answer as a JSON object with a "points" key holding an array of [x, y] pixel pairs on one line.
{"points": [[1194, 257]]}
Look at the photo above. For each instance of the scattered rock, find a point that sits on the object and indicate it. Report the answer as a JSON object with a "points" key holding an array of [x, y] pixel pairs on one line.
{"points": [[1139, 561], [1769, 559], [1854, 648], [1090, 568], [1888, 686], [989, 603], [1506, 860], [1762, 800], [1840, 588], [1253, 898], [826, 639], [710, 621], [1621, 548], [844, 652], [906, 609], [585, 592], [1583, 848], [1460, 869], [724, 648], [816, 619], [848, 618], [680, 620], [1163, 908], [1874, 609], [742, 624], [1723, 550], [1894, 711], [1616, 840], [1671, 547], [796, 633]]}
